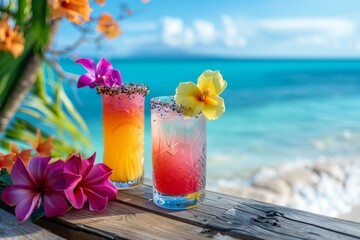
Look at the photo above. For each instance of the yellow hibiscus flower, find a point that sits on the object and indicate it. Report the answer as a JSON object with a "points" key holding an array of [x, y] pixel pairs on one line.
{"points": [[203, 97]]}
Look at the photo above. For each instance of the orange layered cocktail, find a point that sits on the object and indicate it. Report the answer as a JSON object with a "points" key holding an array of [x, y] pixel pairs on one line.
{"points": [[123, 128]]}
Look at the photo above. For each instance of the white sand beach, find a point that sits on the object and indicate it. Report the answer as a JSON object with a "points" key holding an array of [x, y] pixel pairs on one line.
{"points": [[326, 186]]}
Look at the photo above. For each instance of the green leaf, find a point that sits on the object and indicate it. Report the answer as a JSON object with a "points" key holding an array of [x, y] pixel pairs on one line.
{"points": [[10, 73], [71, 109], [40, 21], [6, 178], [21, 14], [37, 214]]}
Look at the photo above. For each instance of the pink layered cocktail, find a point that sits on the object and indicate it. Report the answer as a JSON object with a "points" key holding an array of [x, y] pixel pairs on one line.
{"points": [[179, 155]]}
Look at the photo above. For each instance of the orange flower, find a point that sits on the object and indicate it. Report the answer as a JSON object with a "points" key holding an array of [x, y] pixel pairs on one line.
{"points": [[43, 148], [10, 39], [24, 154], [7, 160], [108, 26], [101, 2], [75, 11], [145, 1]]}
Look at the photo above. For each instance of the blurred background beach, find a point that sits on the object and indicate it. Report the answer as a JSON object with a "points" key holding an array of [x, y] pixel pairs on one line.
{"points": [[293, 93]]}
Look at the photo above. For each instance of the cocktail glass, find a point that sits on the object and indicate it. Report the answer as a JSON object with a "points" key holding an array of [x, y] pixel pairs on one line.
{"points": [[123, 130], [178, 155]]}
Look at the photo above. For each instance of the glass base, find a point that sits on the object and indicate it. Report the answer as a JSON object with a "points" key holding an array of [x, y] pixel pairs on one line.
{"points": [[181, 202], [129, 184]]}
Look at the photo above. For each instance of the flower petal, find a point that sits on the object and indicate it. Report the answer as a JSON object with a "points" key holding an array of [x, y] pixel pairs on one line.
{"points": [[76, 197], [14, 148], [74, 165], [12, 195], [77, 165], [54, 168], [214, 107], [20, 174], [25, 155], [56, 178], [189, 95], [96, 202], [103, 67], [37, 166], [62, 181], [91, 159], [54, 204], [106, 189], [24, 208], [7, 161], [99, 173], [212, 82], [86, 80], [24, 199], [116, 76], [186, 89], [88, 64]]}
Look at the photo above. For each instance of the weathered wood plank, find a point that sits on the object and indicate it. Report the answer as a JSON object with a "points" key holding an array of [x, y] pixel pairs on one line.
{"points": [[11, 228], [246, 220], [249, 219], [70, 231], [199, 216], [124, 221]]}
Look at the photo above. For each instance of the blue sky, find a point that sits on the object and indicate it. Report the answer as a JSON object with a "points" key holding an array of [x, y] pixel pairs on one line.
{"points": [[231, 28]]}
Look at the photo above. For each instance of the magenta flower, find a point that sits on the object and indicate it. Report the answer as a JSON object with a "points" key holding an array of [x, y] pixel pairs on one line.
{"points": [[101, 74], [94, 185], [38, 184]]}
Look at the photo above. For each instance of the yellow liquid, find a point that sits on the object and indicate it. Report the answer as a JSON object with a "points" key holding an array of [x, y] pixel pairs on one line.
{"points": [[123, 127]]}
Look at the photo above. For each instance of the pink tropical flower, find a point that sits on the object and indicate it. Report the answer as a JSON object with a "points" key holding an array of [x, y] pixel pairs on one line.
{"points": [[38, 184], [94, 185], [101, 74]]}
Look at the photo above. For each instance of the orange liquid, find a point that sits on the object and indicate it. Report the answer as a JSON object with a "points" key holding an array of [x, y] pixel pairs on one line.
{"points": [[123, 128]]}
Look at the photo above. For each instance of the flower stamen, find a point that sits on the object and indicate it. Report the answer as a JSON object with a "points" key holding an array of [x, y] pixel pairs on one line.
{"points": [[205, 94]]}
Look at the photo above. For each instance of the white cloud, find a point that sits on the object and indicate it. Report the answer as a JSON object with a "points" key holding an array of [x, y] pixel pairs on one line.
{"points": [[330, 26], [205, 30], [324, 32], [227, 36], [200, 32], [231, 37], [173, 32]]}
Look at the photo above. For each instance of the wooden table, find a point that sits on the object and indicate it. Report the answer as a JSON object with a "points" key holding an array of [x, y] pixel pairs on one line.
{"points": [[134, 216]]}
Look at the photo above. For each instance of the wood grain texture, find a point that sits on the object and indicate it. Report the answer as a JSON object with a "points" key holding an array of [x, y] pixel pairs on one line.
{"points": [[68, 230], [11, 228], [248, 219], [134, 216], [121, 221]]}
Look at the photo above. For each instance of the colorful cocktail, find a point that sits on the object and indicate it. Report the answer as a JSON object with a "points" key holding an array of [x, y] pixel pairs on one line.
{"points": [[179, 155], [123, 128]]}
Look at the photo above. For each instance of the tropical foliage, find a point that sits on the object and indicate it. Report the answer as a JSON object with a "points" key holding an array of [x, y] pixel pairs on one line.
{"points": [[28, 88]]}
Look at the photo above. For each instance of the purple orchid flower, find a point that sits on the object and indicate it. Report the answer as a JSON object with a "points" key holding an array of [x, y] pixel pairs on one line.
{"points": [[94, 185], [38, 183], [101, 74]]}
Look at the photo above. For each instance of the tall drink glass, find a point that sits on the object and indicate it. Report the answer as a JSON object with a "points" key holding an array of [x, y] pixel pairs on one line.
{"points": [[123, 130], [178, 155]]}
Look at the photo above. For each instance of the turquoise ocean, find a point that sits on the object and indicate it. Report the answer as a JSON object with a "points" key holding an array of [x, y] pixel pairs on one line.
{"points": [[277, 111]]}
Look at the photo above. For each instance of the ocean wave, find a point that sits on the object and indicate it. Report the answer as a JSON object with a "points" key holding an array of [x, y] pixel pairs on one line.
{"points": [[328, 186]]}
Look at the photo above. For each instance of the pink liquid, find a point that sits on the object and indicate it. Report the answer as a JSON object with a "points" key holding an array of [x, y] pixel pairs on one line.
{"points": [[179, 154]]}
